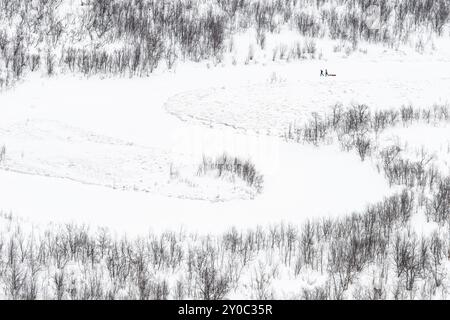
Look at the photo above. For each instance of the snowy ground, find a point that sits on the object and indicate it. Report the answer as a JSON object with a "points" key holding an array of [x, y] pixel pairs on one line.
{"points": [[422, 139], [124, 153], [270, 107]]}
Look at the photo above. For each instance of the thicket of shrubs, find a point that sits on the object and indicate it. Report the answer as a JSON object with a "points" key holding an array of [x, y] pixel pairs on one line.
{"points": [[243, 169], [368, 255], [134, 37], [357, 128]]}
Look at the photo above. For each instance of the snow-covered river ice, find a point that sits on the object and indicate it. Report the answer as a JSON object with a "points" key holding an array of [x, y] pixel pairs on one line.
{"points": [[101, 151]]}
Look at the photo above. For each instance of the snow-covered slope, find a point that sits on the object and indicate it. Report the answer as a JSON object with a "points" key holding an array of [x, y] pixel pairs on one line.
{"points": [[117, 134]]}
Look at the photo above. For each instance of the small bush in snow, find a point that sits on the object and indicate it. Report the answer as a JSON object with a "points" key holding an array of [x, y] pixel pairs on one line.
{"points": [[243, 169]]}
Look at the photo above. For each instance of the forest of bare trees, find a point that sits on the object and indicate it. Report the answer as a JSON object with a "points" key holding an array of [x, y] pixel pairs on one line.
{"points": [[135, 37]]}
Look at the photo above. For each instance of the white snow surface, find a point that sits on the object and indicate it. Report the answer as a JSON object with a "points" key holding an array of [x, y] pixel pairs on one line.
{"points": [[104, 151]]}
